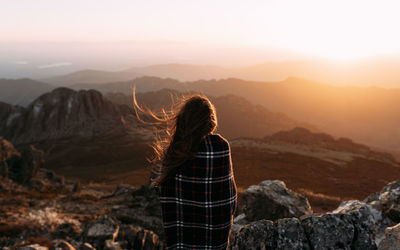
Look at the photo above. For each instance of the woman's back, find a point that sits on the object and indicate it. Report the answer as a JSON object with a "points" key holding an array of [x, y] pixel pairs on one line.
{"points": [[198, 203]]}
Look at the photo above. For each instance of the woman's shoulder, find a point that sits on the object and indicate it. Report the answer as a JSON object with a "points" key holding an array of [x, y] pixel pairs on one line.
{"points": [[216, 139]]}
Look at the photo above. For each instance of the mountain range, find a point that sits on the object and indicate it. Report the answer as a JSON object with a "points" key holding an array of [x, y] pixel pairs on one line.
{"points": [[237, 117], [365, 114], [381, 72]]}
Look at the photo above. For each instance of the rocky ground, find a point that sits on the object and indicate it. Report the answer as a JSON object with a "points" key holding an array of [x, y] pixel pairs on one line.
{"points": [[52, 213], [42, 210]]}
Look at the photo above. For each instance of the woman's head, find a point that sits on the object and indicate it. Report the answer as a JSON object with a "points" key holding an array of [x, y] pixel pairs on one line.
{"points": [[179, 133], [196, 116]]}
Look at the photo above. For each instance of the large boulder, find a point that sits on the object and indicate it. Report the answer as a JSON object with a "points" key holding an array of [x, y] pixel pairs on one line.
{"points": [[290, 235], [329, 231], [24, 167], [7, 151], [368, 222], [284, 234], [139, 207], [134, 237], [272, 200], [256, 235]]}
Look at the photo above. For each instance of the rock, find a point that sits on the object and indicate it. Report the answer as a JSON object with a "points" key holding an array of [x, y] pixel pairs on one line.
{"points": [[67, 230], [271, 200], [256, 235], [369, 223], [62, 245], [33, 247], [239, 221], [391, 241], [387, 201], [7, 151], [329, 231], [290, 235], [86, 246], [143, 209], [26, 166], [103, 229], [123, 189], [139, 238]]}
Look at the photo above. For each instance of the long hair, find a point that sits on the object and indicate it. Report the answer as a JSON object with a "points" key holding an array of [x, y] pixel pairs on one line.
{"points": [[178, 133]]}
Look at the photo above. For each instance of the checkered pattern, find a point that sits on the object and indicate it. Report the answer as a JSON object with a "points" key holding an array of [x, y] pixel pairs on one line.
{"points": [[199, 202]]}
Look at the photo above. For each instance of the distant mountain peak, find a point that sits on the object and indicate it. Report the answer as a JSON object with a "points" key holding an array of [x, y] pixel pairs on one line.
{"points": [[63, 113]]}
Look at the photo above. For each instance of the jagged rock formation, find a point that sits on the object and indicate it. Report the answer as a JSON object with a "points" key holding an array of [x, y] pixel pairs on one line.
{"points": [[64, 113], [272, 200]]}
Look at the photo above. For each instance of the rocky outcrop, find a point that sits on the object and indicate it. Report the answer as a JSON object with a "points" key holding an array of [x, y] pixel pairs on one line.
{"points": [[326, 231], [369, 222], [7, 151], [353, 225], [387, 201], [24, 167], [20, 166], [256, 235], [139, 206], [63, 113], [272, 200]]}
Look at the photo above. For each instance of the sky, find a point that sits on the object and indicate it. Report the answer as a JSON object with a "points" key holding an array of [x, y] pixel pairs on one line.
{"points": [[334, 29]]}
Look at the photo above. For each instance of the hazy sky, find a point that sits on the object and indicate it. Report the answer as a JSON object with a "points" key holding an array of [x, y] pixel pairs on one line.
{"points": [[335, 29]]}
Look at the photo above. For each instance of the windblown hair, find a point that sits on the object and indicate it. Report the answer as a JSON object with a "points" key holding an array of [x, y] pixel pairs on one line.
{"points": [[179, 132]]}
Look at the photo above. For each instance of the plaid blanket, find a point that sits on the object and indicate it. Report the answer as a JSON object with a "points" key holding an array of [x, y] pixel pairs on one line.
{"points": [[199, 202]]}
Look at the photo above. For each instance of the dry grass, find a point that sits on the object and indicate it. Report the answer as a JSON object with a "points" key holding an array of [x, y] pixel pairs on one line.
{"points": [[321, 202]]}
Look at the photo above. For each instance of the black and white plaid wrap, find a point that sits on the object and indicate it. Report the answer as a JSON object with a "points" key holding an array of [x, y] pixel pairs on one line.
{"points": [[199, 202]]}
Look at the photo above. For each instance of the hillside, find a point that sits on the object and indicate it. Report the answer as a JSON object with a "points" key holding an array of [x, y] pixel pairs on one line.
{"points": [[325, 169], [237, 117], [365, 114], [21, 91]]}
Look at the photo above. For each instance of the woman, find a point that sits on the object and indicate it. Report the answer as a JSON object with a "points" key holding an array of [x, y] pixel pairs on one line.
{"points": [[194, 177]]}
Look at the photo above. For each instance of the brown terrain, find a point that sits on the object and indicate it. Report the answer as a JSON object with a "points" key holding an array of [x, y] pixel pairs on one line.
{"points": [[326, 170]]}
